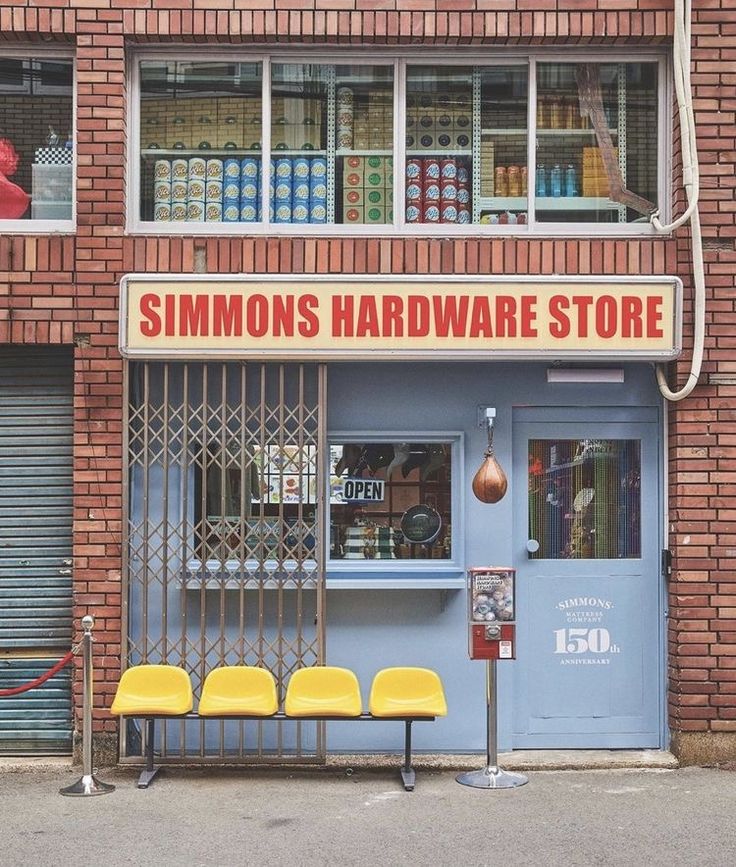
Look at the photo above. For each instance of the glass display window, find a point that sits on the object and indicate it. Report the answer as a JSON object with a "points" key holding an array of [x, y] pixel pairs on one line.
{"points": [[245, 504], [200, 142], [391, 501], [269, 144], [36, 143], [597, 142], [466, 145], [331, 144]]}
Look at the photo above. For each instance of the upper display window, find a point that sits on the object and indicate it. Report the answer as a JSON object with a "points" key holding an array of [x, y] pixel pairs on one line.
{"points": [[270, 144], [200, 142], [36, 140], [596, 142]]}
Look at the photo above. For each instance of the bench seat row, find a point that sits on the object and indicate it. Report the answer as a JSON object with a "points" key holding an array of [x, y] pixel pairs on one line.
{"points": [[249, 692]]}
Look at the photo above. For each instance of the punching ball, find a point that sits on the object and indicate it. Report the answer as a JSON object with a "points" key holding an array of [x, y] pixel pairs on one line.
{"points": [[490, 482]]}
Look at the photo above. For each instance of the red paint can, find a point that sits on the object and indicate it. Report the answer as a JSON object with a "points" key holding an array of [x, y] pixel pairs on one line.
{"points": [[448, 191]]}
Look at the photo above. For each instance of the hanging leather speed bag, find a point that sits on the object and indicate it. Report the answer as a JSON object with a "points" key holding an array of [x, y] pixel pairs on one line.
{"points": [[490, 482]]}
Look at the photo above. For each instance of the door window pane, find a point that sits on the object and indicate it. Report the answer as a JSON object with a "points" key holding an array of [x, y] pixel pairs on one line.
{"points": [[597, 142], [200, 144], [36, 140], [452, 113], [390, 501], [585, 499]]}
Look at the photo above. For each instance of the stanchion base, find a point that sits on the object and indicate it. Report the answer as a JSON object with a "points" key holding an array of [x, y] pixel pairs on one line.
{"points": [[491, 777], [146, 777], [409, 779], [86, 786]]}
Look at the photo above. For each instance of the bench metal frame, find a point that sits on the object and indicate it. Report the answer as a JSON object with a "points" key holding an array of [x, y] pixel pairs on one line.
{"points": [[408, 774]]}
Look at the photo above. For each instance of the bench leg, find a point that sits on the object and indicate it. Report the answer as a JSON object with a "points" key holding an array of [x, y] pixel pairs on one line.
{"points": [[407, 772], [149, 772]]}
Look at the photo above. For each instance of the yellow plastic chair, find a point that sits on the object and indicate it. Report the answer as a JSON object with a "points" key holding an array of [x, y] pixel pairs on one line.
{"points": [[407, 692], [410, 694], [153, 690], [239, 690], [148, 691], [323, 691]]}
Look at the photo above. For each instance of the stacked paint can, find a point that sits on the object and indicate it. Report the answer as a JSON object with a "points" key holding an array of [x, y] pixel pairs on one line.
{"points": [[367, 189], [213, 191], [162, 185], [299, 190], [207, 190], [196, 180], [344, 134], [437, 191]]}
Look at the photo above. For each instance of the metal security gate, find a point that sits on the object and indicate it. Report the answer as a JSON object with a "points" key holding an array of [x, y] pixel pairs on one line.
{"points": [[36, 433], [225, 539]]}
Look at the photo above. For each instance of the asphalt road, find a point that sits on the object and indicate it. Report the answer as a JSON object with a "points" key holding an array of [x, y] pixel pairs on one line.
{"points": [[568, 818]]}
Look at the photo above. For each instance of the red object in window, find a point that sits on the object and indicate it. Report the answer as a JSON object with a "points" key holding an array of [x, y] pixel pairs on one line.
{"points": [[13, 200]]}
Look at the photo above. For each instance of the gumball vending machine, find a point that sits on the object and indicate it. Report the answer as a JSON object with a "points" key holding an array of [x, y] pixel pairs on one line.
{"points": [[492, 615], [492, 636]]}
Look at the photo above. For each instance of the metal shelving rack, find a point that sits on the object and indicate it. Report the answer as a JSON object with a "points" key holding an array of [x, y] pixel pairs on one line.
{"points": [[475, 161], [331, 152], [621, 129]]}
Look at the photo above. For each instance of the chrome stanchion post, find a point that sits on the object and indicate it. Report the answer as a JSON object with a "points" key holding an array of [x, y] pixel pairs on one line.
{"points": [[87, 784], [491, 777]]}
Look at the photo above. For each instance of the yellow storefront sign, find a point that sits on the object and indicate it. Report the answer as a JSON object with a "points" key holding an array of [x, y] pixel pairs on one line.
{"points": [[328, 317]]}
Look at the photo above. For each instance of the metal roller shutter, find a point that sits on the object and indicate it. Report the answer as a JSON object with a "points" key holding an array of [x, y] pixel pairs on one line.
{"points": [[36, 438]]}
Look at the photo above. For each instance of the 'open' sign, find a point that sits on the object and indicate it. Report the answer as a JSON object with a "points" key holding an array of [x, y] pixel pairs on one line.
{"points": [[366, 490]]}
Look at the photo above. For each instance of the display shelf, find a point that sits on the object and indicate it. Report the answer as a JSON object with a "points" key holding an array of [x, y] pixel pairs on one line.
{"points": [[574, 203], [364, 152], [155, 153], [570, 132], [301, 152], [510, 131], [439, 152], [546, 203]]}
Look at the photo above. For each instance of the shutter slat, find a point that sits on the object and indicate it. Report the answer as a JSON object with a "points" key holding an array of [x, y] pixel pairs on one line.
{"points": [[36, 443]]}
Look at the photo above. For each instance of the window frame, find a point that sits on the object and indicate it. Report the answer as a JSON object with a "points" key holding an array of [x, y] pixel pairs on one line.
{"points": [[342, 570], [33, 56], [409, 57]]}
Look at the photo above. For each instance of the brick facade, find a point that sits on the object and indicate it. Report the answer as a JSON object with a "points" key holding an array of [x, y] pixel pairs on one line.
{"points": [[64, 289]]}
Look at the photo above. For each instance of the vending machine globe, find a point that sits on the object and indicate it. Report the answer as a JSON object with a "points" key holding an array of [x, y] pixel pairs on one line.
{"points": [[491, 636]]}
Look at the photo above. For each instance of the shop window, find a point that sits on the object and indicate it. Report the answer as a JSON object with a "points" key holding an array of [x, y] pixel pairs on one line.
{"points": [[391, 501], [584, 499], [36, 141], [200, 142], [596, 142], [466, 145], [331, 144], [477, 149], [251, 505]]}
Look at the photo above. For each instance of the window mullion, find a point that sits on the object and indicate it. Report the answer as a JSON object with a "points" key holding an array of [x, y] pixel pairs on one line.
{"points": [[399, 143], [531, 172], [265, 191]]}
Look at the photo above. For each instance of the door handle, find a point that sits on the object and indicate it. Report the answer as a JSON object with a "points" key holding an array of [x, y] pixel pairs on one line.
{"points": [[532, 546]]}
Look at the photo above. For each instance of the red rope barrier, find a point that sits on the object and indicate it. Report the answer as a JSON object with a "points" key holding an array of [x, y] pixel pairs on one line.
{"points": [[16, 690]]}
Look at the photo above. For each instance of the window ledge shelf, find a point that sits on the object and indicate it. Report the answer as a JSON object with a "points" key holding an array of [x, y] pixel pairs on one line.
{"points": [[408, 582]]}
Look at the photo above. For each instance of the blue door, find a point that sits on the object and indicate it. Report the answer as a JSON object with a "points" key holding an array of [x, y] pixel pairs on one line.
{"points": [[587, 542]]}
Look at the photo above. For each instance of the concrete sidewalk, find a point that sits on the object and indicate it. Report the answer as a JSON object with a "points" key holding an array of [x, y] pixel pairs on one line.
{"points": [[326, 817]]}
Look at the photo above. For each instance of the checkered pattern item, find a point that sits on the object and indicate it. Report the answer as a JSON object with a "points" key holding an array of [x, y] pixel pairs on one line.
{"points": [[361, 542], [57, 156]]}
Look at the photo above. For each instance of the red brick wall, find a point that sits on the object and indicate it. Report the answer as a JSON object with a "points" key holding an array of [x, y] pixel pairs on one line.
{"points": [[53, 289]]}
